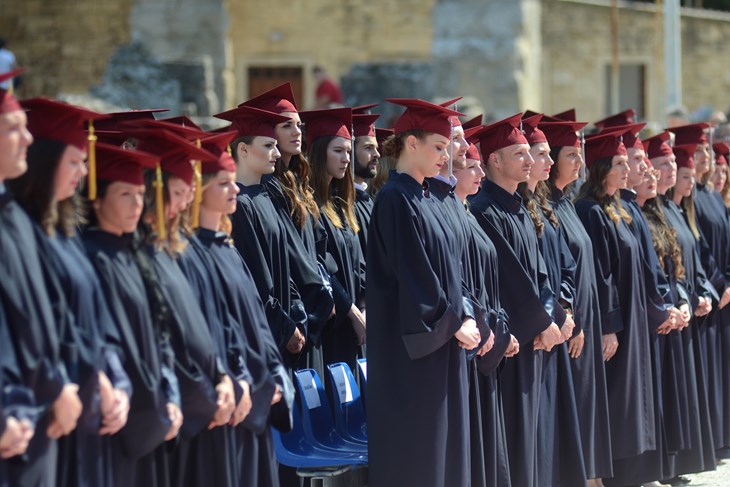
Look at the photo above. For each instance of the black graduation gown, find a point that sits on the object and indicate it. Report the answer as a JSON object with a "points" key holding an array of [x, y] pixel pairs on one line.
{"points": [[699, 455], [417, 401], [617, 261], [530, 304], [93, 347], [712, 218], [363, 211], [560, 455], [135, 459], [589, 375], [34, 335], [211, 455], [339, 341], [256, 457]]}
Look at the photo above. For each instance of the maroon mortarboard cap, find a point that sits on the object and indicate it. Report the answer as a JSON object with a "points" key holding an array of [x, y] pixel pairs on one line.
{"points": [[624, 118], [218, 146], [722, 151], [59, 121], [363, 125], [473, 122], [382, 134], [334, 122], [252, 121], [543, 117], [126, 166], [530, 113], [657, 146], [562, 134], [182, 120], [422, 115], [685, 155], [455, 122], [690, 134], [604, 145], [174, 151], [188, 133], [220, 130], [566, 116], [631, 141], [533, 134], [473, 153], [115, 118], [277, 100], [363, 109], [111, 137], [498, 135], [8, 102]]}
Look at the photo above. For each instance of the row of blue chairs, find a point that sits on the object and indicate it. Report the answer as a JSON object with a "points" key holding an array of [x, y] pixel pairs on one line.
{"points": [[324, 436]]}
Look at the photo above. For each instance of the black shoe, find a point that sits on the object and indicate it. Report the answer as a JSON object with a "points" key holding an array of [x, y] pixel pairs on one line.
{"points": [[678, 480]]}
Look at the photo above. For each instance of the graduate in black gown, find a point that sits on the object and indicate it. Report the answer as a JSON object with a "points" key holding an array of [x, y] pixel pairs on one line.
{"points": [[26, 305], [417, 401], [271, 247], [560, 456], [622, 298], [697, 291], [490, 465], [714, 224], [534, 311], [138, 309], [290, 192], [585, 347], [90, 343], [270, 384], [329, 144], [365, 167]]}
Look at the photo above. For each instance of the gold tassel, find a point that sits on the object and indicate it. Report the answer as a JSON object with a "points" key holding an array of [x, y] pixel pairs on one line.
{"points": [[198, 173], [91, 179], [160, 203]]}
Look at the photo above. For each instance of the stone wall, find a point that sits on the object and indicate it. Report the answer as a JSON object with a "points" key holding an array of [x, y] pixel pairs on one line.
{"points": [[576, 50], [64, 44]]}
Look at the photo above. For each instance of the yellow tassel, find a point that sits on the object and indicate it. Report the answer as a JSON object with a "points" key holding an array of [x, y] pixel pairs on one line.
{"points": [[198, 189], [11, 88], [91, 179], [160, 203], [228, 149]]}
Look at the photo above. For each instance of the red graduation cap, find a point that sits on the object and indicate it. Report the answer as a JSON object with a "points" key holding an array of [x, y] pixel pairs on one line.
{"points": [[685, 155], [690, 134], [422, 115], [127, 166], [111, 137], [657, 146], [188, 133], [382, 134], [604, 145], [363, 125], [59, 121], [182, 120], [363, 109], [473, 153], [176, 152], [630, 134], [498, 135], [115, 118], [277, 100], [623, 118], [533, 134], [8, 102], [566, 116], [545, 118], [334, 122], [562, 134], [252, 121], [218, 146], [473, 122], [722, 151], [455, 122]]}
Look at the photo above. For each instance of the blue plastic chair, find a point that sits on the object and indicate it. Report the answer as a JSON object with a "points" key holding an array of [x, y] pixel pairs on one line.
{"points": [[362, 364], [319, 427], [294, 450], [347, 405]]}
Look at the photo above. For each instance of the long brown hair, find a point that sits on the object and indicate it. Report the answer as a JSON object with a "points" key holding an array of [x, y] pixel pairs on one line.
{"points": [[595, 188], [335, 198], [382, 172], [688, 206], [34, 190], [537, 204], [173, 244], [294, 180], [663, 236]]}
